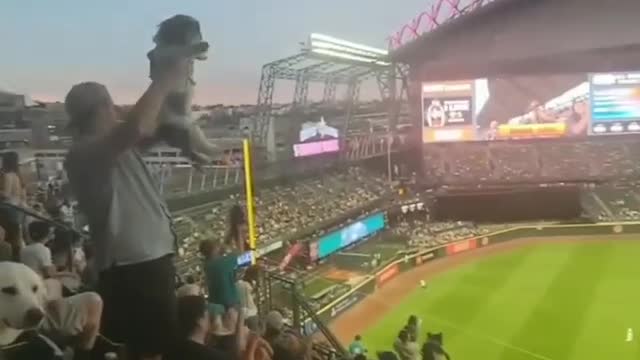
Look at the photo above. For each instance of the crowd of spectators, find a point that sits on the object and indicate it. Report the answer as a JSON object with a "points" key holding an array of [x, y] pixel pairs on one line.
{"points": [[284, 210], [531, 161]]}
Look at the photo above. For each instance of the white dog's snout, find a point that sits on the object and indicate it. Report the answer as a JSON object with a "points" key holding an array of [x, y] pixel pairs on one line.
{"points": [[33, 317]]}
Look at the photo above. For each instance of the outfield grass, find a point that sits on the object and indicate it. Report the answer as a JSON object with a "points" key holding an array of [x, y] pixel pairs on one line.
{"points": [[565, 301]]}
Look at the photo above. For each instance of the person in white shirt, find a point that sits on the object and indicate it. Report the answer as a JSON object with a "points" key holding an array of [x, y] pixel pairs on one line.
{"points": [[250, 310], [66, 213], [37, 255], [76, 316]]}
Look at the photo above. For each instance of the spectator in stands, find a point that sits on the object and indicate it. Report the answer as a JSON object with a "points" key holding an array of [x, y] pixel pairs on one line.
{"points": [[273, 326], [12, 191], [128, 220], [248, 305], [406, 348], [237, 233], [220, 274], [413, 327], [291, 347], [37, 255], [387, 355], [5, 247], [357, 347], [66, 212], [78, 317], [189, 288], [193, 331]]}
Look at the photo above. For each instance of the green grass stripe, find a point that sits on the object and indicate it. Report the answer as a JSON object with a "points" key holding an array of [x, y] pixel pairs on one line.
{"points": [[459, 294], [614, 309], [554, 324], [503, 312]]}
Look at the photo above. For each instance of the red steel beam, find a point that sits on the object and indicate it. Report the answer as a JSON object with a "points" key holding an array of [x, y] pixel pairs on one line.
{"points": [[438, 13]]}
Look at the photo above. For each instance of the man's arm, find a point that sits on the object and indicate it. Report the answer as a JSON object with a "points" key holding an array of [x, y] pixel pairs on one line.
{"points": [[141, 122]]}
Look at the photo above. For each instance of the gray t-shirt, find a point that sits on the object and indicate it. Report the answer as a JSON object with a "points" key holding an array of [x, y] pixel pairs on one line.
{"points": [[128, 219]]}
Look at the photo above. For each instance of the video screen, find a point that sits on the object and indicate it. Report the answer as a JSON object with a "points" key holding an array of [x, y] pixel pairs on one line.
{"points": [[615, 103], [316, 138], [474, 110], [337, 240], [244, 259], [448, 111]]}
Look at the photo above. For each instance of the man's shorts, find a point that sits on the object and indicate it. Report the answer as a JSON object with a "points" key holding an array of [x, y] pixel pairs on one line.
{"points": [[68, 316], [140, 306]]}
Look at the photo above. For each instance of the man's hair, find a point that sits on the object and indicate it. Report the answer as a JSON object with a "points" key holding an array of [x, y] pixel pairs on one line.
{"points": [[39, 230], [10, 162], [206, 247], [81, 104], [358, 337], [191, 309]]}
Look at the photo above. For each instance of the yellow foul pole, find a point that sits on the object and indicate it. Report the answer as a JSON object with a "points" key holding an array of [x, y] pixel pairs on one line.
{"points": [[248, 186]]}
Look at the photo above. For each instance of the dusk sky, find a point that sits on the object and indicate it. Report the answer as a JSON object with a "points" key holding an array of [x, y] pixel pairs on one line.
{"points": [[49, 45]]}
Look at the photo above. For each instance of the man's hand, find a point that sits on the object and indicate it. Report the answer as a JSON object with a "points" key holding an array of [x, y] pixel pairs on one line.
{"points": [[257, 349], [177, 70]]}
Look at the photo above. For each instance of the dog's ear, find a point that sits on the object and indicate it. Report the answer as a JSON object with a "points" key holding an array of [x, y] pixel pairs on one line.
{"points": [[178, 30]]}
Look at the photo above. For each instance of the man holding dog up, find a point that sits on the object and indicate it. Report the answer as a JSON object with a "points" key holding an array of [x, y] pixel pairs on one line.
{"points": [[129, 222]]}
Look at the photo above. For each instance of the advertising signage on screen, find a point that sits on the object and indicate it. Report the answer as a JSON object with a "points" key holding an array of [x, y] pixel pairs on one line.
{"points": [[315, 138], [615, 103], [346, 236], [316, 148], [450, 113]]}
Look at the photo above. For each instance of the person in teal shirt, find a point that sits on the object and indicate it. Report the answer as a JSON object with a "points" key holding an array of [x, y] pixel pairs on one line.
{"points": [[357, 347], [220, 274]]}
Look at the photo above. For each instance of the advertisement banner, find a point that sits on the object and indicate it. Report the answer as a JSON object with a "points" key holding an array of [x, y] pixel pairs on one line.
{"points": [[345, 304], [387, 274], [462, 246], [264, 250], [348, 235], [406, 264], [316, 148], [424, 257], [447, 111], [615, 108]]}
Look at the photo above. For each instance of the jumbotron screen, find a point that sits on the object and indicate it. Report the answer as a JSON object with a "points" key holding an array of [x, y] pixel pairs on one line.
{"points": [[465, 111], [337, 240], [315, 138], [615, 103]]}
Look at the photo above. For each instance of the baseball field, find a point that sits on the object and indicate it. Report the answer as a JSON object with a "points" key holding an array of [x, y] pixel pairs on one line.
{"points": [[546, 299]]}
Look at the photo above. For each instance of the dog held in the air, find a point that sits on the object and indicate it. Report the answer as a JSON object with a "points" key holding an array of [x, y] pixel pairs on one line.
{"points": [[22, 299], [180, 37]]}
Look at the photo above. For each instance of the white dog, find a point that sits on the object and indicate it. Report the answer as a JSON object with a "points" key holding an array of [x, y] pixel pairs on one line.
{"points": [[23, 295], [180, 37]]}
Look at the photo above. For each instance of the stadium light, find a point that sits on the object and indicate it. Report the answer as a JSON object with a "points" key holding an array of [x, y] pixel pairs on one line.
{"points": [[329, 46], [349, 57]]}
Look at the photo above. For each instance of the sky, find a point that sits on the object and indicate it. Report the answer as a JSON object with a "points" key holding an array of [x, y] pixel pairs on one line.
{"points": [[47, 46]]}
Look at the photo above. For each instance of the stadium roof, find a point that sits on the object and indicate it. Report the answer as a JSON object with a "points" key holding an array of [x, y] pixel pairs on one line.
{"points": [[406, 52], [519, 37]]}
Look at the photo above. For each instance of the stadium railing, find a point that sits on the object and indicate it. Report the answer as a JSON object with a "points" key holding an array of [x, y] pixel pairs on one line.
{"points": [[304, 320]]}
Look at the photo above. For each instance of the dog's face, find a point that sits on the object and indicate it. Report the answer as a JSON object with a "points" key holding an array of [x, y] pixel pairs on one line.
{"points": [[22, 296], [182, 31]]}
